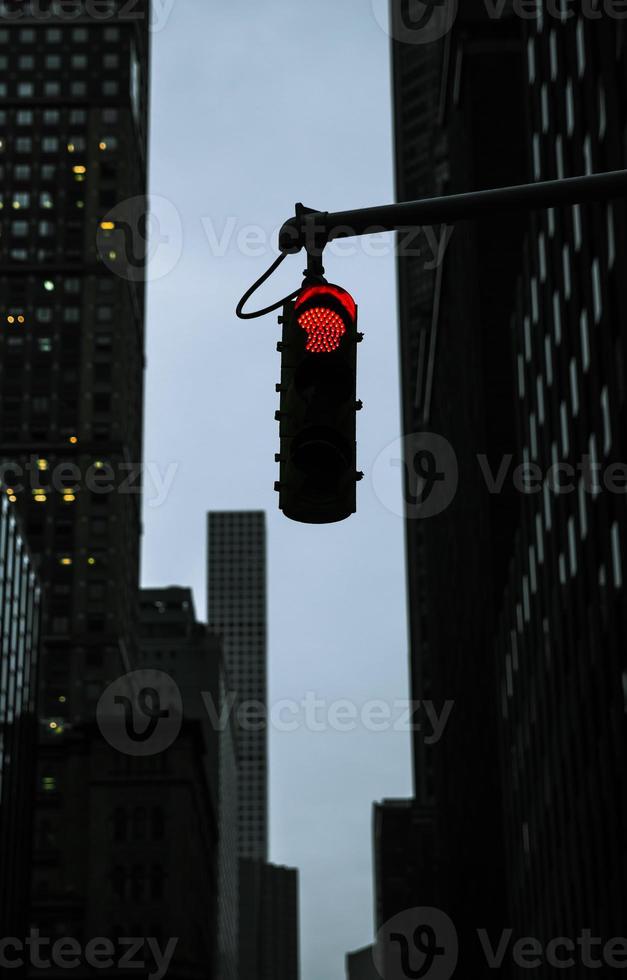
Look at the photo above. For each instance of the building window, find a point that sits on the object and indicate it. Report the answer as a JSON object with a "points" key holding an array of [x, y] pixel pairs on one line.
{"points": [[617, 567]]}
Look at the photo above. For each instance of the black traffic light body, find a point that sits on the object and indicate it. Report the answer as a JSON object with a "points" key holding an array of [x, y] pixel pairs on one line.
{"points": [[317, 417]]}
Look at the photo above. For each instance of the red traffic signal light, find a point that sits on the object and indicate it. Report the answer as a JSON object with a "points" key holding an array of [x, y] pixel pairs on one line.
{"points": [[318, 473], [326, 313]]}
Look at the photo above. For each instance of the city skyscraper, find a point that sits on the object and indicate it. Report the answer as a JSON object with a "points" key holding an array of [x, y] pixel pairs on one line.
{"points": [[516, 596], [73, 119], [456, 385], [561, 642], [237, 612], [269, 912], [19, 651], [172, 641], [360, 965]]}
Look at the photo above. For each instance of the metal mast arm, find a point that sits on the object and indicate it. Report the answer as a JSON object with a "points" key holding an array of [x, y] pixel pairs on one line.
{"points": [[312, 229]]}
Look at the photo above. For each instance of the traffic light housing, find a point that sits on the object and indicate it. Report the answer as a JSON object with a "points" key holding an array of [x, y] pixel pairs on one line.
{"points": [[317, 415]]}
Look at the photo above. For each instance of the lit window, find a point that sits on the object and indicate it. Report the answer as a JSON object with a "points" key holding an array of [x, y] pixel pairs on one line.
{"points": [[51, 117], [24, 117], [607, 427], [52, 89], [564, 428], [78, 89], [587, 155], [548, 357], [583, 510], [585, 341], [21, 200], [602, 112], [45, 200], [611, 237], [577, 226], [79, 61], [570, 107], [23, 144], [50, 144], [572, 546], [574, 388], [544, 101], [581, 48], [596, 290], [553, 55], [566, 266], [617, 567]]}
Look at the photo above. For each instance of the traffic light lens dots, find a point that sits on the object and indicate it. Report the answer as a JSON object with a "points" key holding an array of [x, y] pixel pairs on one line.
{"points": [[324, 312], [324, 327]]}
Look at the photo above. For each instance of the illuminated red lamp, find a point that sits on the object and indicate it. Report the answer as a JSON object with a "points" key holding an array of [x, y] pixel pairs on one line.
{"points": [[325, 312]]}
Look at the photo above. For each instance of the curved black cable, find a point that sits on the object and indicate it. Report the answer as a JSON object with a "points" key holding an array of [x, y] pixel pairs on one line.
{"points": [[253, 289]]}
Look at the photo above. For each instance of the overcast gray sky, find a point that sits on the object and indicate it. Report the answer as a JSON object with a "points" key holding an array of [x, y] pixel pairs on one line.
{"points": [[256, 106]]}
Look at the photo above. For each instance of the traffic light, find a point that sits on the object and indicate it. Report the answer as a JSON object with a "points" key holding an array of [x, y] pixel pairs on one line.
{"points": [[317, 417]]}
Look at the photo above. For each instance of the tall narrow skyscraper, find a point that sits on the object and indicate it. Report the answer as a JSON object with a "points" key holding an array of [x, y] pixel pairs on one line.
{"points": [[237, 611], [19, 649]]}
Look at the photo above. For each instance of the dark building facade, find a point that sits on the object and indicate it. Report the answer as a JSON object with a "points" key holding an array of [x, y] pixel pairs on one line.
{"points": [[19, 653], [360, 965], [561, 644], [73, 120], [459, 133], [402, 871], [269, 906], [515, 595], [172, 641]]}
